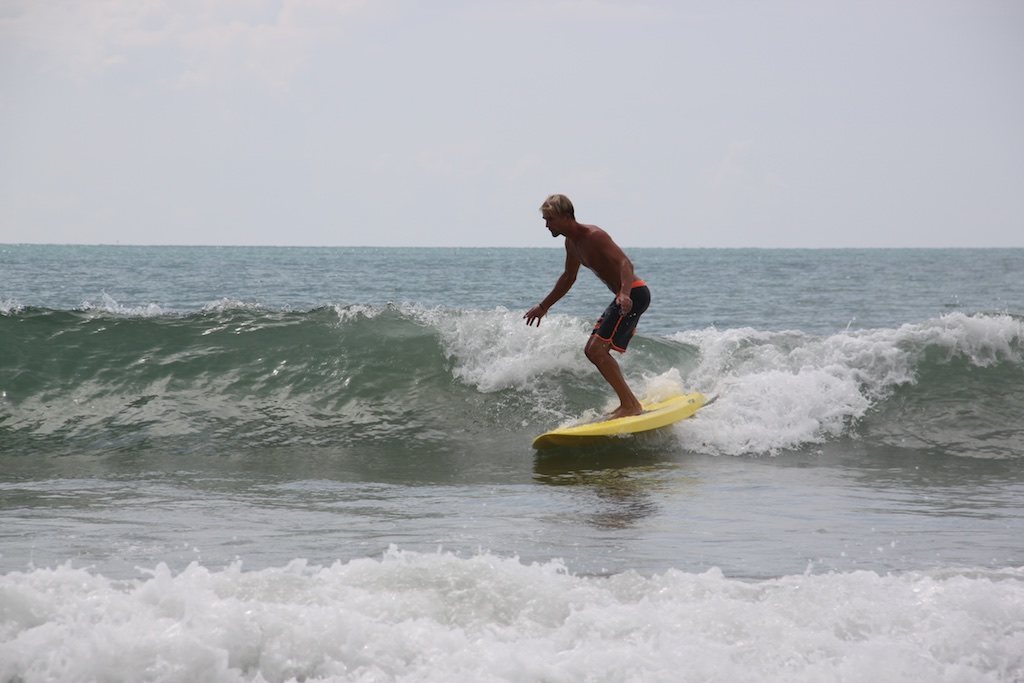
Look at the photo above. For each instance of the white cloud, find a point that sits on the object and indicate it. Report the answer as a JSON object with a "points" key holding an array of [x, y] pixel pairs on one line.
{"points": [[210, 42], [604, 11]]}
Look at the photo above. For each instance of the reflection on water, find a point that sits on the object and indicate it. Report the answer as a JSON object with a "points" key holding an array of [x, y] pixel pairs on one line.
{"points": [[616, 484]]}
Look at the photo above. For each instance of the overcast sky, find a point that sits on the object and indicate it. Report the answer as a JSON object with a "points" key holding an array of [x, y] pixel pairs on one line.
{"points": [[875, 123]]}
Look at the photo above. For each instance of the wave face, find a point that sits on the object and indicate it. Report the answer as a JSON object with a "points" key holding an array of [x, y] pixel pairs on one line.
{"points": [[235, 377]]}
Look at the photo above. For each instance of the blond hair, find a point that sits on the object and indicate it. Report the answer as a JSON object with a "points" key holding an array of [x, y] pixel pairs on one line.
{"points": [[557, 205]]}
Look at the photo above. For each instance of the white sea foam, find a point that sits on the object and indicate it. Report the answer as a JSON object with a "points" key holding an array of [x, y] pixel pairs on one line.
{"points": [[496, 350], [110, 305], [438, 617], [7, 307], [781, 390], [983, 339], [353, 312], [228, 304]]}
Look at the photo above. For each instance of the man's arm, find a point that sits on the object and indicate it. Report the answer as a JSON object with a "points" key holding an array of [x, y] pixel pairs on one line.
{"points": [[619, 264], [626, 278], [563, 285]]}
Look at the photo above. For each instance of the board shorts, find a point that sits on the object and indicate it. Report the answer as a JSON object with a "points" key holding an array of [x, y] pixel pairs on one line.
{"points": [[618, 329]]}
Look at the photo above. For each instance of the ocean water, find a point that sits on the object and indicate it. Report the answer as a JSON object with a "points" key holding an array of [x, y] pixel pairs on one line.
{"points": [[284, 464]]}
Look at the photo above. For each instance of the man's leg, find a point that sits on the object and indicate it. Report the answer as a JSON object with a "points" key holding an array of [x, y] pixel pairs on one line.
{"points": [[599, 353]]}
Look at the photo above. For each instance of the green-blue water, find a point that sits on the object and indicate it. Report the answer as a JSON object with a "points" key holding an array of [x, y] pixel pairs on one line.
{"points": [[267, 406]]}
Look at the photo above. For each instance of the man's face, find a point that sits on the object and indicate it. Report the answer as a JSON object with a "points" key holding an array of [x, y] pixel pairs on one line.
{"points": [[554, 224]]}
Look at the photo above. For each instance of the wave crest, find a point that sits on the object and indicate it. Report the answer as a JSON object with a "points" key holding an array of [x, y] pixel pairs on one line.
{"points": [[242, 376]]}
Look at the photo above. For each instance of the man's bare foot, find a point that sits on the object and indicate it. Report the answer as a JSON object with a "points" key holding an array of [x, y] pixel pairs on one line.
{"points": [[623, 411]]}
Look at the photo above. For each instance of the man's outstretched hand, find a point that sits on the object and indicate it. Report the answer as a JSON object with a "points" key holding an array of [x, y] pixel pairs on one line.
{"points": [[535, 314]]}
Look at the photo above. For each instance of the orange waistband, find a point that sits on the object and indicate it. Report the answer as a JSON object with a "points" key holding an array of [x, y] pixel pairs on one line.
{"points": [[638, 283]]}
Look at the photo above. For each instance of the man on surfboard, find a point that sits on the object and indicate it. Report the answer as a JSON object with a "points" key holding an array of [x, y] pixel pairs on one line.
{"points": [[592, 247]]}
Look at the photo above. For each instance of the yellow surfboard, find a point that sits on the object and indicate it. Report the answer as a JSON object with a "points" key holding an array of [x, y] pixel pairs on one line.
{"points": [[654, 416]]}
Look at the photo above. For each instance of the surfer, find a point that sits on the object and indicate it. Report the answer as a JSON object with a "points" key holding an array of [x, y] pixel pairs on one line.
{"points": [[592, 247]]}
